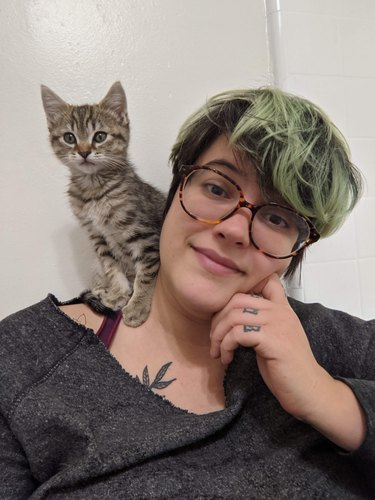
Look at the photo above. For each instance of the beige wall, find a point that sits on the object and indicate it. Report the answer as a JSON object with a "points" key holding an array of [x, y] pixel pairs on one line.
{"points": [[169, 54]]}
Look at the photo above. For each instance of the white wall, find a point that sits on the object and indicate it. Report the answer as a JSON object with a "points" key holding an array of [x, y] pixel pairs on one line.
{"points": [[324, 50], [169, 54]]}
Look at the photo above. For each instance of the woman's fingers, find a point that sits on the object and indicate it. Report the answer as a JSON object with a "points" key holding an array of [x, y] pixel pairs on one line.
{"points": [[239, 301], [244, 318], [245, 335], [272, 289], [237, 325]]}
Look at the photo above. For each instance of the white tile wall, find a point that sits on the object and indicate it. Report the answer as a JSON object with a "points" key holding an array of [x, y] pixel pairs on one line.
{"points": [[367, 286], [307, 34], [353, 9], [365, 228], [327, 250], [323, 50], [357, 44], [363, 150], [335, 284]]}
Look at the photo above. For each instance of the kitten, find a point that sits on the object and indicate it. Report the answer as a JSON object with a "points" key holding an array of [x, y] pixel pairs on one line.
{"points": [[122, 213]]}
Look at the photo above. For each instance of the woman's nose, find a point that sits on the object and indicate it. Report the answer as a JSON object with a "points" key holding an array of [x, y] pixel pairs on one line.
{"points": [[235, 229]]}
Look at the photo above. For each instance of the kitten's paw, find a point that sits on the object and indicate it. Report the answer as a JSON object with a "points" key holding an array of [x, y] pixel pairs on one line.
{"points": [[135, 314], [95, 303], [110, 299]]}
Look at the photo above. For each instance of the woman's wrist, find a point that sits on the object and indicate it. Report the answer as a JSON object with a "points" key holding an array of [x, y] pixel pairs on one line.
{"points": [[336, 413]]}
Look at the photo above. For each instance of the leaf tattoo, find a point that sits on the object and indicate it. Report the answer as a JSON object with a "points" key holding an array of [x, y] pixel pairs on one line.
{"points": [[145, 376], [158, 383]]}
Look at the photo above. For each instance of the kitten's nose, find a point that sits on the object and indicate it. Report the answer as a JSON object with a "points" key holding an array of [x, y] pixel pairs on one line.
{"points": [[84, 154]]}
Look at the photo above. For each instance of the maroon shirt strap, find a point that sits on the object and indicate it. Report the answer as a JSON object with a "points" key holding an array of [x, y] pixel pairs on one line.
{"points": [[108, 328]]}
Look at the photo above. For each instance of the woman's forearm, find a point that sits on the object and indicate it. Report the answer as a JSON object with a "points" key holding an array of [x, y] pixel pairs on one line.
{"points": [[338, 414]]}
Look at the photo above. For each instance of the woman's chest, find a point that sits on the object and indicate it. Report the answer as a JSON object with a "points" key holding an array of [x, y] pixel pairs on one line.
{"points": [[187, 382]]}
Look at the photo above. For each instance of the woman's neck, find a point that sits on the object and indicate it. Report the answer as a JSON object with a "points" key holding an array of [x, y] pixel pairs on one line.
{"points": [[174, 337], [186, 329]]}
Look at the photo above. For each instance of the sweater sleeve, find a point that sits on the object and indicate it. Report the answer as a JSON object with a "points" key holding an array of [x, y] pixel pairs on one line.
{"points": [[31, 341], [16, 481], [345, 346], [364, 456]]}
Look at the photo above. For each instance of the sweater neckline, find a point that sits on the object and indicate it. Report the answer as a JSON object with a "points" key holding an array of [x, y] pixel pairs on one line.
{"points": [[234, 400]]}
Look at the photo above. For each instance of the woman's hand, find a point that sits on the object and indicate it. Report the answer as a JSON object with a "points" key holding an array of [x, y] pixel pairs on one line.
{"points": [[269, 325], [286, 363]]}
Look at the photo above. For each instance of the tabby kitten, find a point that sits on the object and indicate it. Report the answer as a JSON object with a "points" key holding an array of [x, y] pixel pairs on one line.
{"points": [[122, 213]]}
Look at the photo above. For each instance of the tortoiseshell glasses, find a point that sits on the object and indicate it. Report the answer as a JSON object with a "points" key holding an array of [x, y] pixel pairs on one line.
{"points": [[209, 195]]}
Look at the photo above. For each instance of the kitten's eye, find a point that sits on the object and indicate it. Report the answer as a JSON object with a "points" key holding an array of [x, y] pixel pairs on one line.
{"points": [[69, 138], [100, 136]]}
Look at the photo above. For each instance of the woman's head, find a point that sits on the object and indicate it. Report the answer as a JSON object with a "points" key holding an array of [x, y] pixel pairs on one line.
{"points": [[206, 259], [300, 157]]}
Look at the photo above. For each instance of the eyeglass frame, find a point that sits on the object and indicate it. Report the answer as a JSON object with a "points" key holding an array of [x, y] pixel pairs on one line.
{"points": [[187, 170]]}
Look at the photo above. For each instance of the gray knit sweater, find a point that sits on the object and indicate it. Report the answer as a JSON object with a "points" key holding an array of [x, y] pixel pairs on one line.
{"points": [[74, 424]]}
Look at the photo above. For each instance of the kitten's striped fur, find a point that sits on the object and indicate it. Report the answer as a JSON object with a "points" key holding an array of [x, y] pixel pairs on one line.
{"points": [[121, 212]]}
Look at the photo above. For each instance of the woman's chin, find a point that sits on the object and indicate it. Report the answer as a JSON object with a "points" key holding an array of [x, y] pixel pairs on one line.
{"points": [[205, 303]]}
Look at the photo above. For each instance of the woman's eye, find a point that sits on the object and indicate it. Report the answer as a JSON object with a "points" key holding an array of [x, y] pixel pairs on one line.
{"points": [[100, 137], [277, 220], [215, 190], [69, 138]]}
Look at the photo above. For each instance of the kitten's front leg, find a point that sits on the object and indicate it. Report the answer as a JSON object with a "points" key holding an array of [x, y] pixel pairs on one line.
{"points": [[111, 287], [136, 311]]}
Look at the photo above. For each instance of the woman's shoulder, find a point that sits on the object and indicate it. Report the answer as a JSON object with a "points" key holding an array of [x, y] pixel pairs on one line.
{"points": [[337, 338], [34, 340], [48, 316], [46, 304], [39, 320], [317, 316], [83, 314]]}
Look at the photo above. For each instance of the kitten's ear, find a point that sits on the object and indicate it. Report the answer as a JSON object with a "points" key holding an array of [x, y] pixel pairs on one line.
{"points": [[52, 103], [116, 101]]}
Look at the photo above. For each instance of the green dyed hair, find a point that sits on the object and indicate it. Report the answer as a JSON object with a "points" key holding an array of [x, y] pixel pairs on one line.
{"points": [[300, 156]]}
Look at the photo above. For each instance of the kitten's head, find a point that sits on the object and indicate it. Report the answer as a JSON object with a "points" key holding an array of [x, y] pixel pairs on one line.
{"points": [[89, 138]]}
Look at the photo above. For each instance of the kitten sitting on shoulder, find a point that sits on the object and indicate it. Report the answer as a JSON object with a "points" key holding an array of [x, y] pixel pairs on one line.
{"points": [[122, 213]]}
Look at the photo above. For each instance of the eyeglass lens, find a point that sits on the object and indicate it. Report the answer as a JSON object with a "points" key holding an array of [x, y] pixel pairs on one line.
{"points": [[210, 197]]}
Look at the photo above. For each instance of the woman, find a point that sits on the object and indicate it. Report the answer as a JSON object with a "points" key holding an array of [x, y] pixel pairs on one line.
{"points": [[261, 396]]}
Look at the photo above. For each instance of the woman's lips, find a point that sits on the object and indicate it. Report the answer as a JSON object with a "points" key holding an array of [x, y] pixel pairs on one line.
{"points": [[214, 262]]}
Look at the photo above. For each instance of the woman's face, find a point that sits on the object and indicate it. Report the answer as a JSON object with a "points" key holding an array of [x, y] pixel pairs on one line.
{"points": [[203, 265]]}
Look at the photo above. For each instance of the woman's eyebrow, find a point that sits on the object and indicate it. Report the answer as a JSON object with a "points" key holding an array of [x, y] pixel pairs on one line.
{"points": [[224, 163]]}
